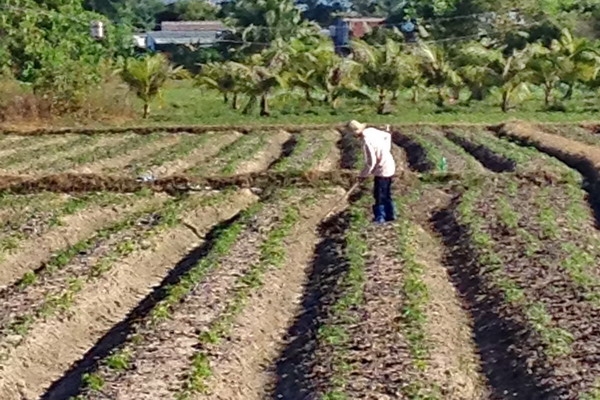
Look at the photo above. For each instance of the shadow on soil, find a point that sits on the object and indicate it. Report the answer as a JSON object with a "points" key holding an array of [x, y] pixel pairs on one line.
{"points": [[497, 338], [286, 150], [416, 155], [297, 378], [70, 384], [490, 160]]}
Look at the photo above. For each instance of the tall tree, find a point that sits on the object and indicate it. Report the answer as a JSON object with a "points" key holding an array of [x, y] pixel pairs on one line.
{"points": [[260, 22], [195, 10]]}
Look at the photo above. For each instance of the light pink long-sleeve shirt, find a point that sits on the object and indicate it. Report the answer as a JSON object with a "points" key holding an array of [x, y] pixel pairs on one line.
{"points": [[377, 148]]}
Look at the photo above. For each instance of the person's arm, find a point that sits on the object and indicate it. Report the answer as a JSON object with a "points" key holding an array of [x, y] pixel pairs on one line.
{"points": [[369, 160]]}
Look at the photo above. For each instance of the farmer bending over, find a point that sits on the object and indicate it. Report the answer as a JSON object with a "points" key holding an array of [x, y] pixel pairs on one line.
{"points": [[377, 148]]}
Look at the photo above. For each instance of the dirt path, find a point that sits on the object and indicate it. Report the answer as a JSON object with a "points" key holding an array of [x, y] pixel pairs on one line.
{"points": [[31, 253], [215, 142], [125, 159], [261, 160], [52, 347], [454, 364], [242, 371]]}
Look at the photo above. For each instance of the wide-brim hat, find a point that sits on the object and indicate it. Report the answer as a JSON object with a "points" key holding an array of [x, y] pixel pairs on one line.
{"points": [[356, 127]]}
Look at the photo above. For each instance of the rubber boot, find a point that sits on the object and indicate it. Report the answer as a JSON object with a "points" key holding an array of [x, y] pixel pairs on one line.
{"points": [[390, 211], [379, 214]]}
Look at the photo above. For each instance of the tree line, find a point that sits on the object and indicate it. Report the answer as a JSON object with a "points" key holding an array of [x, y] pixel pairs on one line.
{"points": [[47, 53]]}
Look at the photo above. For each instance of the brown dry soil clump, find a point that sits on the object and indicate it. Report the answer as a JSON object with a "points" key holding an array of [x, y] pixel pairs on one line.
{"points": [[524, 354]]}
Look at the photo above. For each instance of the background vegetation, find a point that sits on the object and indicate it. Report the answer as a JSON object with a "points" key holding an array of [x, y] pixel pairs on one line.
{"points": [[476, 61]]}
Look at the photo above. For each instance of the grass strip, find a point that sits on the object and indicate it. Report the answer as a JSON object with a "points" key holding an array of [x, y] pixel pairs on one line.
{"points": [[272, 255], [60, 302], [335, 334], [557, 341]]}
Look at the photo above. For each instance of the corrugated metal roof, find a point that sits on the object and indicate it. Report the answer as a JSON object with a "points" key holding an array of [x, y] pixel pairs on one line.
{"points": [[183, 37], [192, 25]]}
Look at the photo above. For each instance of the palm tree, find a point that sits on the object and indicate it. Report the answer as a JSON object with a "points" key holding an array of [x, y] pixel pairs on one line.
{"points": [[223, 77], [304, 59], [146, 77], [382, 68], [260, 76], [475, 64], [580, 60], [438, 70], [512, 76], [543, 69]]}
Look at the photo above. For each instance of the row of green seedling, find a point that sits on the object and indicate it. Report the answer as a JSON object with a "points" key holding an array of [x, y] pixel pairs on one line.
{"points": [[272, 255], [593, 393], [20, 208], [523, 155], [35, 157], [237, 154], [32, 148], [416, 298], [577, 259], [228, 157], [334, 334], [431, 139], [120, 359], [186, 145], [95, 154], [61, 302], [73, 205], [302, 145], [557, 341], [21, 142]]}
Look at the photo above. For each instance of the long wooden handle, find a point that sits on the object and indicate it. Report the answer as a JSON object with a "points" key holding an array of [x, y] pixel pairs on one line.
{"points": [[342, 200]]}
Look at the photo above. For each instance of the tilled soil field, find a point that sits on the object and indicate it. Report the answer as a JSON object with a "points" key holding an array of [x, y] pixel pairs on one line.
{"points": [[235, 265]]}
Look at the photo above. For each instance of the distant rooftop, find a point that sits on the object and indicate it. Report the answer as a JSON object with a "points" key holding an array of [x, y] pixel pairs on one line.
{"points": [[179, 26], [181, 37]]}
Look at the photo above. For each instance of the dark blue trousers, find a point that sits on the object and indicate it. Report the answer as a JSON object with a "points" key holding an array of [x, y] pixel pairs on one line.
{"points": [[383, 209]]}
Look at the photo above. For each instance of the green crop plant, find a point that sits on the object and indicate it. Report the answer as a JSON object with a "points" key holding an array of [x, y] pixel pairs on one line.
{"points": [[272, 255], [59, 302], [335, 332], [556, 340], [242, 153]]}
